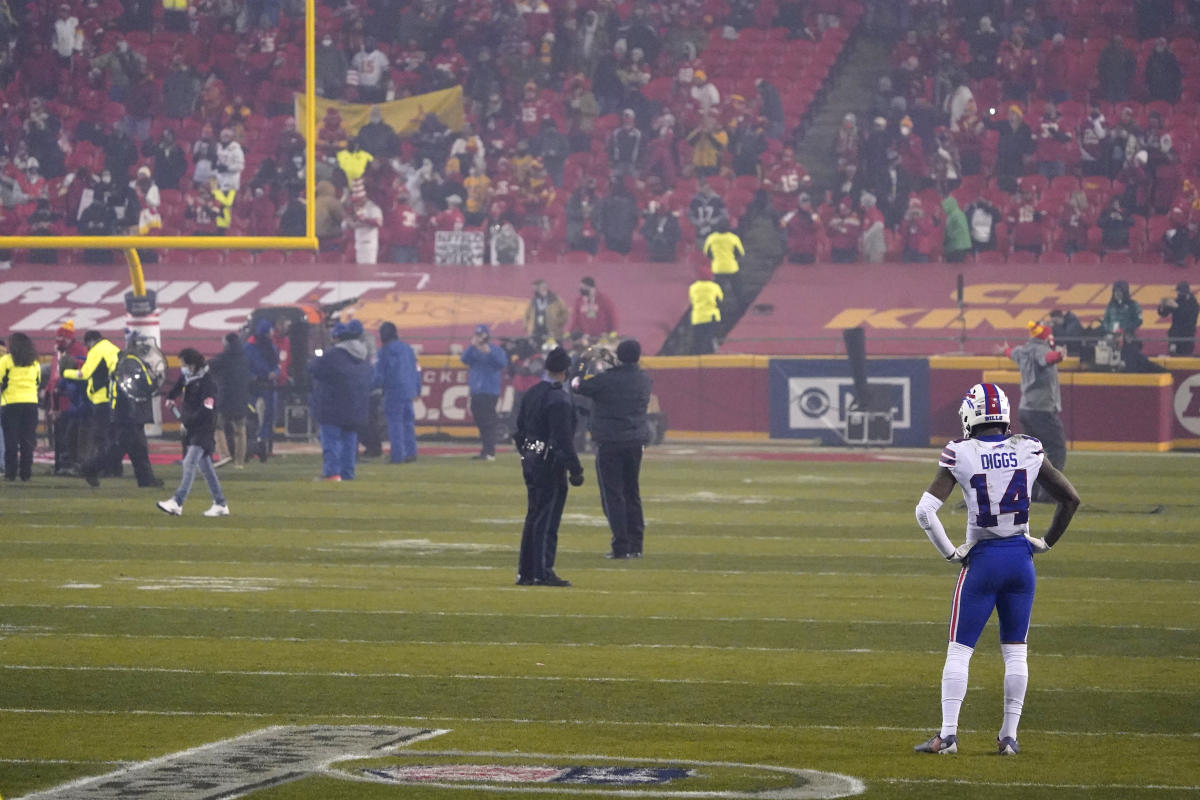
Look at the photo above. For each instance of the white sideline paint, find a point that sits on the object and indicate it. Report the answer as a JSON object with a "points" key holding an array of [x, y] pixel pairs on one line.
{"points": [[260, 673], [819, 785], [584, 722]]}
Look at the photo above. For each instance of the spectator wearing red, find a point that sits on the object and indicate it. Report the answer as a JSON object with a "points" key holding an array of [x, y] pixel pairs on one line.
{"points": [[1055, 70], [918, 233], [402, 231], [844, 229], [912, 153], [331, 137], [785, 180], [593, 314], [1026, 225], [1018, 65], [452, 219], [803, 229]]}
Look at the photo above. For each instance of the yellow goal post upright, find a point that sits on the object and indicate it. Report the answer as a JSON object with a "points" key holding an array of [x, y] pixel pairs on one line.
{"points": [[130, 244]]}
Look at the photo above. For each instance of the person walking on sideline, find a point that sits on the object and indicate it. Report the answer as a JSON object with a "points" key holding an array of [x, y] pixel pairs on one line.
{"points": [[994, 468], [199, 419]]}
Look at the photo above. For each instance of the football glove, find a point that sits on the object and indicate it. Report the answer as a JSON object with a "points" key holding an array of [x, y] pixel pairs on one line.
{"points": [[1037, 543], [960, 553], [576, 478]]}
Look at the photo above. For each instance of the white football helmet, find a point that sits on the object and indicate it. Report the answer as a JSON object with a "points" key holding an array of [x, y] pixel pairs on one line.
{"points": [[984, 403]]}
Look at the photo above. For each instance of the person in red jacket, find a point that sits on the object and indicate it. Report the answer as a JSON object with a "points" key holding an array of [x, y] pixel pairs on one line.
{"points": [[844, 229], [594, 314], [1027, 225], [919, 233], [402, 229], [803, 228]]}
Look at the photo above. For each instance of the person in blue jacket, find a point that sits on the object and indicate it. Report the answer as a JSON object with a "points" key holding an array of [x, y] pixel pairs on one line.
{"points": [[485, 362], [262, 356], [341, 391], [399, 376]]}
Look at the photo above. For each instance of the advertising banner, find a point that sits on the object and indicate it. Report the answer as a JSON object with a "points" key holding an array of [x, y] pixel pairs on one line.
{"points": [[458, 247], [811, 398], [912, 309]]}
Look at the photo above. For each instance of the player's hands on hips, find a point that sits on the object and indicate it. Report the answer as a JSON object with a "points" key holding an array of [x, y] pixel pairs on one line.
{"points": [[576, 478], [960, 553], [1037, 543]]}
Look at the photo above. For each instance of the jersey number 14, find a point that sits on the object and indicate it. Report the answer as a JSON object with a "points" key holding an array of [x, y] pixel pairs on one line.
{"points": [[1015, 500]]}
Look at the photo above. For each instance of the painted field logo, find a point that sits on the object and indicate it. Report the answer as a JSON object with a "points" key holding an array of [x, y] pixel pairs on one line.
{"points": [[542, 773], [494, 773]]}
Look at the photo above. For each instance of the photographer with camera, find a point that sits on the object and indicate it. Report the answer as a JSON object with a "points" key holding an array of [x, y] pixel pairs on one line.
{"points": [[1183, 310], [544, 438], [485, 363], [621, 396]]}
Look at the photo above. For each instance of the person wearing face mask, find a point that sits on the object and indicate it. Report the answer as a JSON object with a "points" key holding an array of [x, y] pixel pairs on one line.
{"points": [[198, 417], [331, 68]]}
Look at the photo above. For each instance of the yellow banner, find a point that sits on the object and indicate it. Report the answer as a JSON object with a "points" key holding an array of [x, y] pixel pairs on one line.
{"points": [[403, 115]]}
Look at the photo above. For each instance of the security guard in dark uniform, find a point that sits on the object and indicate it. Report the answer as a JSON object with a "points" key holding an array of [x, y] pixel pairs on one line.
{"points": [[621, 395], [544, 438]]}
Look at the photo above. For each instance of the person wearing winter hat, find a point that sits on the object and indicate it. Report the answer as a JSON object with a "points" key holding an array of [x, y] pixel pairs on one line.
{"points": [[485, 363], [341, 396], [544, 437], [620, 396], [1041, 400]]}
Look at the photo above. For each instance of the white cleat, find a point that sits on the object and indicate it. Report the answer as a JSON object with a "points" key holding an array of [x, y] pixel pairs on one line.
{"points": [[217, 511]]}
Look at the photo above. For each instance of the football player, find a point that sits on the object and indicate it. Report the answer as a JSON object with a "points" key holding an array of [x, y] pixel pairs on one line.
{"points": [[996, 470]]}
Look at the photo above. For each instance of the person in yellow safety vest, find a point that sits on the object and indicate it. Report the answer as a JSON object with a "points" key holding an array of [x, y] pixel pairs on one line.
{"points": [[706, 296], [20, 376], [224, 200], [353, 160], [724, 247], [98, 371]]}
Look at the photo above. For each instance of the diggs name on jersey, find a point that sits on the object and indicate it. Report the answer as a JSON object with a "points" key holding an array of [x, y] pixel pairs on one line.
{"points": [[1004, 460]]}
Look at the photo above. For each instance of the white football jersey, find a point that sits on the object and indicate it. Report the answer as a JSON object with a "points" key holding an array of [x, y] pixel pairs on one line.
{"points": [[996, 475]]}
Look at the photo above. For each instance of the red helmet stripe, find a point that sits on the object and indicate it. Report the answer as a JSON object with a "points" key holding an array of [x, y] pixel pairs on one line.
{"points": [[992, 395]]}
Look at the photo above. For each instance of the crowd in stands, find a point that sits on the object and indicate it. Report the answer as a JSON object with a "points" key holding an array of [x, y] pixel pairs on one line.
{"points": [[630, 127], [1005, 129], [1010, 130]]}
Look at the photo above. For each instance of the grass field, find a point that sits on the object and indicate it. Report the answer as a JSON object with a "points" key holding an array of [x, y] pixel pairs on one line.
{"points": [[788, 613]]}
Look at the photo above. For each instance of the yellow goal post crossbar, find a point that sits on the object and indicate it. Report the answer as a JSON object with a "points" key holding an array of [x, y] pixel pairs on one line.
{"points": [[306, 242]]}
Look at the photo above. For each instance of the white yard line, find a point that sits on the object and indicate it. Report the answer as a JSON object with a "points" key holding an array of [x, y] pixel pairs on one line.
{"points": [[581, 645], [1036, 785], [579, 722], [523, 615], [251, 673]]}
